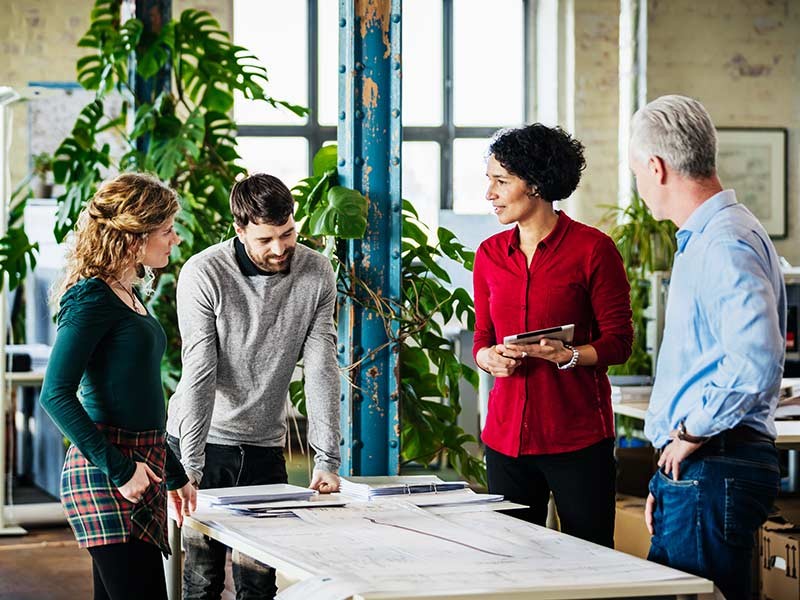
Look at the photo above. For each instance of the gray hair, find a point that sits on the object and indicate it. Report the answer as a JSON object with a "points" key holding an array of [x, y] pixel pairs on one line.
{"points": [[678, 130]]}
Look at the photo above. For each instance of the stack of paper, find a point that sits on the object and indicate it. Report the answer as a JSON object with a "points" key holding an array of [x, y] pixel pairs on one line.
{"points": [[366, 488], [285, 508], [254, 493], [789, 399]]}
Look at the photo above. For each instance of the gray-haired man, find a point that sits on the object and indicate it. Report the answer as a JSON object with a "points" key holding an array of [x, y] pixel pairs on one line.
{"points": [[248, 309], [721, 359]]}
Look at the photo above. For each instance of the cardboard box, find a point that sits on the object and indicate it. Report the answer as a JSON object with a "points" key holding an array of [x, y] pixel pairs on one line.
{"points": [[630, 532], [779, 551], [635, 467]]}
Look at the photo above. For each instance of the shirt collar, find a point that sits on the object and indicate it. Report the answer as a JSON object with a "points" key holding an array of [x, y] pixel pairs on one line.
{"points": [[246, 265], [701, 216], [551, 240]]}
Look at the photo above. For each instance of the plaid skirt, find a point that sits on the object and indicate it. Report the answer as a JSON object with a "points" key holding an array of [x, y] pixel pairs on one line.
{"points": [[96, 510]]}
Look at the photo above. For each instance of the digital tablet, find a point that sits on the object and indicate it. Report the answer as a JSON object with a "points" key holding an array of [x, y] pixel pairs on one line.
{"points": [[562, 332]]}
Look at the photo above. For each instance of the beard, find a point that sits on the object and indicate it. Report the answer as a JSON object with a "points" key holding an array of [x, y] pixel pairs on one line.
{"points": [[269, 263]]}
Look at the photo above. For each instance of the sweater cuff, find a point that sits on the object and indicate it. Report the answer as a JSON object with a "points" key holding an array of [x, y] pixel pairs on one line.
{"points": [[124, 475], [329, 466], [176, 482]]}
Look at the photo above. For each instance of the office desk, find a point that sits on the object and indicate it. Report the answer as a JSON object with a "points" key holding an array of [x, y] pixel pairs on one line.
{"points": [[32, 378], [788, 437], [788, 430], [375, 551], [21, 378]]}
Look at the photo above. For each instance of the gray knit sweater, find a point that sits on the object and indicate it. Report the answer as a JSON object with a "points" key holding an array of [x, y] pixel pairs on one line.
{"points": [[241, 338]]}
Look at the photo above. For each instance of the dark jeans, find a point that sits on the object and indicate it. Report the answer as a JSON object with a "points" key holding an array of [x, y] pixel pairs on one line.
{"points": [[704, 523], [582, 483], [128, 571], [204, 566]]}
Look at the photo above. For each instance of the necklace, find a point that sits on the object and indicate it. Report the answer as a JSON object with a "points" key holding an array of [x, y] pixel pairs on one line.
{"points": [[130, 293]]}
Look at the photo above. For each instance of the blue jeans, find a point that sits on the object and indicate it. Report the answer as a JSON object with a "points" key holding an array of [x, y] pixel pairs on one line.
{"points": [[705, 522], [204, 564]]}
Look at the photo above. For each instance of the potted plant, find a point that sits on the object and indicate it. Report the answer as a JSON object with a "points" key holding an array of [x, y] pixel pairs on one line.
{"points": [[42, 167], [647, 247]]}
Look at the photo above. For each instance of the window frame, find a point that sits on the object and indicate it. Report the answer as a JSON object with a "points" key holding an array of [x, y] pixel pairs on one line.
{"points": [[444, 134]]}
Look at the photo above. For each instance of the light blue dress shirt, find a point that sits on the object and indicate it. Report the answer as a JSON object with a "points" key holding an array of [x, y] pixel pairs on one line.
{"points": [[721, 357]]}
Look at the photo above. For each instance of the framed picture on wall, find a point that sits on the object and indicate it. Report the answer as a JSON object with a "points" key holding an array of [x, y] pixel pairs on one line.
{"points": [[753, 162]]}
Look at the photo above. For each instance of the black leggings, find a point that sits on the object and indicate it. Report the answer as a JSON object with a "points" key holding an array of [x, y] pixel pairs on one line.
{"points": [[582, 483], [128, 571]]}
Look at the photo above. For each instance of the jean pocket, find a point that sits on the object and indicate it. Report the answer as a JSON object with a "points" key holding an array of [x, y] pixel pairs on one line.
{"points": [[676, 518], [747, 505], [668, 481]]}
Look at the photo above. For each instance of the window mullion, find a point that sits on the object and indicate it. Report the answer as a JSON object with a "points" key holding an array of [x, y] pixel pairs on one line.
{"points": [[446, 177], [313, 134]]}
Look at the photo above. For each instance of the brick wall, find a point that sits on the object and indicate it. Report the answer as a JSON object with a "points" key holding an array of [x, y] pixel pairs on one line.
{"points": [[596, 105], [39, 43], [741, 59]]}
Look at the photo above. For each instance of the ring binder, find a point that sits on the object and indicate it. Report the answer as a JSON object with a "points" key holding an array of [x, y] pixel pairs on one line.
{"points": [[367, 488]]}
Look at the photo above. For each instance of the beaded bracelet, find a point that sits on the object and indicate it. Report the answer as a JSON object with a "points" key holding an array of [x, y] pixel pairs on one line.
{"points": [[572, 361]]}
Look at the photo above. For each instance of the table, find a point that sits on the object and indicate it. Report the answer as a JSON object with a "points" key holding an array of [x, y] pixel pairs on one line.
{"points": [[378, 551], [32, 378], [24, 378], [788, 436], [788, 430]]}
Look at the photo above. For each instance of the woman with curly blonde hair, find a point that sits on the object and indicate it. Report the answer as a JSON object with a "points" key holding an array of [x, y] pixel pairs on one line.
{"points": [[109, 346]]}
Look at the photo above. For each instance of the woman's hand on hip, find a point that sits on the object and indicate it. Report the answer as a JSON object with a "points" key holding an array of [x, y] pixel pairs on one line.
{"points": [[497, 360], [137, 485]]}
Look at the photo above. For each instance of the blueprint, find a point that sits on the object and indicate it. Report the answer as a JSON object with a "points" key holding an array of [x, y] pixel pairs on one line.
{"points": [[397, 547]]}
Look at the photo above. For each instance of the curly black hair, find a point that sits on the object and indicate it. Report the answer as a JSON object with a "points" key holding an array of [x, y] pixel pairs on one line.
{"points": [[547, 158]]}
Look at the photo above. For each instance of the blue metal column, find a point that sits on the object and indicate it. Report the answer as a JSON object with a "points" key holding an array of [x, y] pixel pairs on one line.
{"points": [[153, 14], [369, 138]]}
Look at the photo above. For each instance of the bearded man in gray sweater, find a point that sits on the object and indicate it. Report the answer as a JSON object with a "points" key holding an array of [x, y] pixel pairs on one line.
{"points": [[248, 309]]}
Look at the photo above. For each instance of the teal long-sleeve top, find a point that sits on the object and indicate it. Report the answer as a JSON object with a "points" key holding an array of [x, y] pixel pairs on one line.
{"points": [[113, 355]]}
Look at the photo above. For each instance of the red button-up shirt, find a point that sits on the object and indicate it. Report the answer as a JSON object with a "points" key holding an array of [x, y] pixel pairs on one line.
{"points": [[576, 276]]}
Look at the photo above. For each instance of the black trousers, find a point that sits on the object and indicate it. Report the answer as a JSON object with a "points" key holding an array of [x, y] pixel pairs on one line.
{"points": [[128, 571], [582, 482], [204, 565]]}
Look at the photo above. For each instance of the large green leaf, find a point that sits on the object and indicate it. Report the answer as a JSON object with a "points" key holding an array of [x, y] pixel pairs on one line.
{"points": [[112, 43], [344, 215], [175, 149], [156, 53], [325, 160], [17, 256]]}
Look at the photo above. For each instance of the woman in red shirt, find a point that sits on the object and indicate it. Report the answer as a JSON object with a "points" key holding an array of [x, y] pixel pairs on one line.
{"points": [[549, 426]]}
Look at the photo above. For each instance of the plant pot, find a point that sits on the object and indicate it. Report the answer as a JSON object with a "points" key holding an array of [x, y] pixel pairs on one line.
{"points": [[43, 189]]}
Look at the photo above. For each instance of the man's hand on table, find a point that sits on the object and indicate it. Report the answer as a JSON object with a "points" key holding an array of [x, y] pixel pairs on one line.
{"points": [[324, 482]]}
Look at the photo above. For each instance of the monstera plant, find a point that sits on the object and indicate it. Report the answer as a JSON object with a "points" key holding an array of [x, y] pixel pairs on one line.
{"points": [[186, 136]]}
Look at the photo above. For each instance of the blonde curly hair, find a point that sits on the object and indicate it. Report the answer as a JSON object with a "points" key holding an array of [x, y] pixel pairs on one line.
{"points": [[112, 230]]}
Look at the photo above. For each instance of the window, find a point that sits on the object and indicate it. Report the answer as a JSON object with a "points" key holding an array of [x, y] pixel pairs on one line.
{"points": [[465, 75], [298, 43]]}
